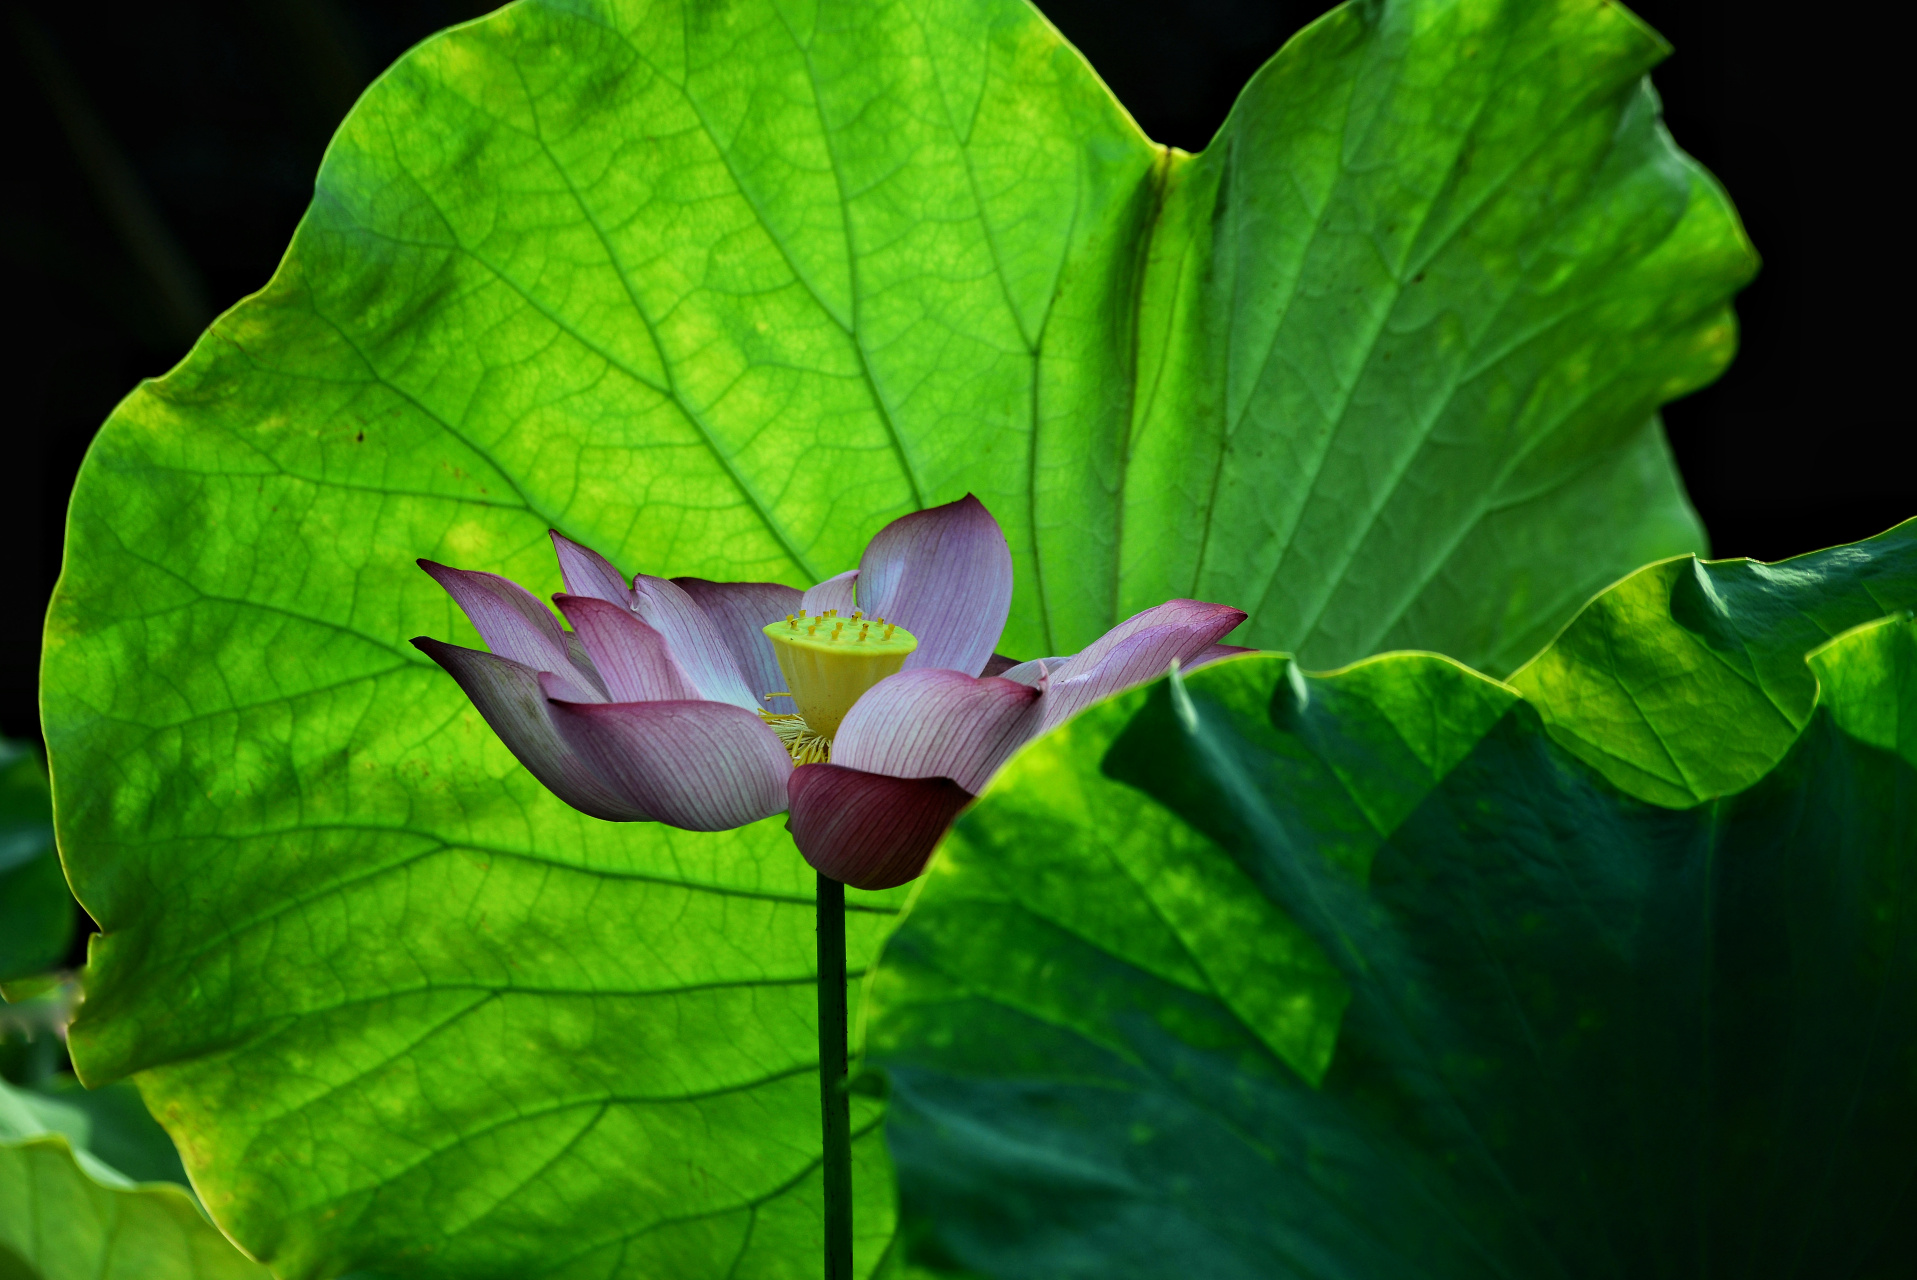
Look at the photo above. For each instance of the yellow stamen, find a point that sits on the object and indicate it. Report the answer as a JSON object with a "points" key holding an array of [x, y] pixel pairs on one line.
{"points": [[805, 746], [826, 675]]}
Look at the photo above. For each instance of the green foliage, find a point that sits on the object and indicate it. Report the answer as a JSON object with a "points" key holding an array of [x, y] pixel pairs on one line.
{"points": [[1260, 973], [111, 1123], [36, 911], [720, 289], [65, 1214], [1679, 714]]}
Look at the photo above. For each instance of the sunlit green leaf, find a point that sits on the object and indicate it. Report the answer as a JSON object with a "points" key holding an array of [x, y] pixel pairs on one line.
{"points": [[720, 289], [1398, 987], [1680, 713]]}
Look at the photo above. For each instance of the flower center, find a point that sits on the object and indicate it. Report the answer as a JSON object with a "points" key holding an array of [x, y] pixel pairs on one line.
{"points": [[828, 661]]}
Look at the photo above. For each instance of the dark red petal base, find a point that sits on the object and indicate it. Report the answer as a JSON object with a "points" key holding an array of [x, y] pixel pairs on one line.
{"points": [[866, 829]]}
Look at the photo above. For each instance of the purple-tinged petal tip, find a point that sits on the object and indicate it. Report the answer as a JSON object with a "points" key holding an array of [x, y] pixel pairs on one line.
{"points": [[1138, 649], [515, 625], [587, 573], [509, 697], [945, 575], [866, 829]]}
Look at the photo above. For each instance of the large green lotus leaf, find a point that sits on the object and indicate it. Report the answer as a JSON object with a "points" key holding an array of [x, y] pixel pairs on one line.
{"points": [[1687, 680], [721, 289], [66, 1215], [1571, 1033], [36, 911]]}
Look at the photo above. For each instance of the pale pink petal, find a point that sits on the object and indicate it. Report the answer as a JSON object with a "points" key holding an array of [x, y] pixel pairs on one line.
{"points": [[515, 625], [740, 611], [945, 575], [587, 573], [694, 640], [630, 656], [866, 829], [1141, 648], [704, 766], [836, 592], [1033, 672], [936, 723], [508, 696]]}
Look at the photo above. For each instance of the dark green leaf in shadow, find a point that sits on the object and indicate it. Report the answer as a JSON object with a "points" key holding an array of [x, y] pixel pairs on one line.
{"points": [[1585, 1035], [113, 1123], [36, 910], [67, 1215]]}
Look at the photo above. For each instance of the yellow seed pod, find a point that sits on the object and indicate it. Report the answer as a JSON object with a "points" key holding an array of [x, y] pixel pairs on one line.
{"points": [[827, 672]]}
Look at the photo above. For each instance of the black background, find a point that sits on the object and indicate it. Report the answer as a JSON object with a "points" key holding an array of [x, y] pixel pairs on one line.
{"points": [[160, 154]]}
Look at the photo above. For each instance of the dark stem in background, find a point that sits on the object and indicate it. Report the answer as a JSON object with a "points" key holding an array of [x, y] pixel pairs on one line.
{"points": [[835, 1105]]}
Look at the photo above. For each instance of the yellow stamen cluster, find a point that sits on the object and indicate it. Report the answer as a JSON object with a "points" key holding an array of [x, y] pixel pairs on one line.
{"points": [[828, 661], [805, 746]]}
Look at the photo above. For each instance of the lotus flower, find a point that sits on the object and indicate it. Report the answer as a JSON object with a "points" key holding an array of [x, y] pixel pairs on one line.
{"points": [[864, 705]]}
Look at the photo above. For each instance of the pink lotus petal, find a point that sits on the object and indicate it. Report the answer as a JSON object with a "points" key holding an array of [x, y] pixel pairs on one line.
{"points": [[836, 592], [703, 766], [1034, 672], [508, 696], [1213, 654], [945, 575], [515, 625], [935, 723], [576, 653], [739, 611], [1197, 615], [587, 573], [630, 656], [694, 640], [866, 829], [1138, 649]]}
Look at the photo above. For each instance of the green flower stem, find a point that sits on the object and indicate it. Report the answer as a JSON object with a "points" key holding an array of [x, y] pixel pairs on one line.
{"points": [[834, 1104]]}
